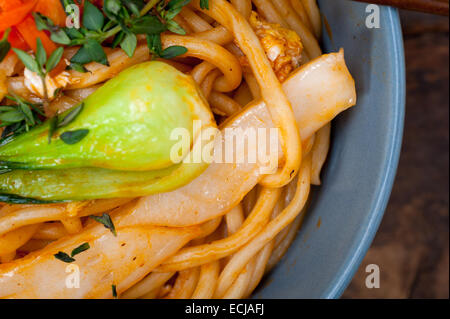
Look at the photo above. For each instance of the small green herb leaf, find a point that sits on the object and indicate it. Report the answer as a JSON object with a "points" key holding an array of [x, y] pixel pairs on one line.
{"points": [[56, 33], [147, 25], [81, 57], [28, 114], [41, 55], [64, 257], [12, 116], [56, 123], [18, 118], [173, 51], [71, 116], [73, 137], [80, 249], [154, 44], [175, 27], [4, 49], [96, 52], [129, 44], [93, 18], [74, 33], [60, 37], [112, 7], [41, 22], [91, 51], [174, 7], [134, 6], [4, 45], [54, 59], [106, 220], [29, 62], [177, 4]]}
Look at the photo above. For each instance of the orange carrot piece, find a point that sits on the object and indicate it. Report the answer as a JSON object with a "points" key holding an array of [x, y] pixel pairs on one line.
{"points": [[52, 9], [16, 40], [30, 33], [6, 5], [15, 15]]}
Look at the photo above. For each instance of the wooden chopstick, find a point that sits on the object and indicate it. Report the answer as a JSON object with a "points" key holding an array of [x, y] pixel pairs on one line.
{"points": [[429, 6]]}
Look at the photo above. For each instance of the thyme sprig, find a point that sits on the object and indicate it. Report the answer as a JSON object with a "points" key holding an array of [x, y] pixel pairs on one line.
{"points": [[117, 24], [19, 117], [39, 63]]}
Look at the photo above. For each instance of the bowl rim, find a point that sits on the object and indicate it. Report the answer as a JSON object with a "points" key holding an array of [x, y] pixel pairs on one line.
{"points": [[364, 239]]}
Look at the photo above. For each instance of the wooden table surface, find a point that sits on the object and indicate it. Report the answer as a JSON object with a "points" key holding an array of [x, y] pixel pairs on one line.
{"points": [[412, 245]]}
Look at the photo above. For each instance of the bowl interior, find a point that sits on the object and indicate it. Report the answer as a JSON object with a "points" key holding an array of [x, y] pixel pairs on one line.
{"points": [[358, 178]]}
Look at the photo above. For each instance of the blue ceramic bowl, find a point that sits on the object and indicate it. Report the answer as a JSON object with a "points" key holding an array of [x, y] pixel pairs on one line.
{"points": [[358, 179]]}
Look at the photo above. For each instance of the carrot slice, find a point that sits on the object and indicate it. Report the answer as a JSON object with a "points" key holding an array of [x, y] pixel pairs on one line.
{"points": [[16, 40], [6, 5], [15, 15], [52, 9]]}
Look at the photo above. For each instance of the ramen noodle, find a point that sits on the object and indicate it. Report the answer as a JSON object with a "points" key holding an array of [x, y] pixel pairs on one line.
{"points": [[256, 64]]}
